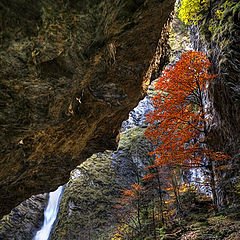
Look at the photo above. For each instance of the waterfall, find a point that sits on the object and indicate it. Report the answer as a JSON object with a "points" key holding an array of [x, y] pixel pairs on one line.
{"points": [[50, 214]]}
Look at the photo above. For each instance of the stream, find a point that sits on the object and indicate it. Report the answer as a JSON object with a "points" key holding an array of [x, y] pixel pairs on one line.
{"points": [[50, 214]]}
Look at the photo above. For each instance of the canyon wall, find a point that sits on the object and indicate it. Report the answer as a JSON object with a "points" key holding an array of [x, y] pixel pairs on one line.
{"points": [[70, 73], [218, 36]]}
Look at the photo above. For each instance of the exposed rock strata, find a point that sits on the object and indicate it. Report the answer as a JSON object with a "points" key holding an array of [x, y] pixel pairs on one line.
{"points": [[220, 33], [24, 220], [87, 209], [70, 72]]}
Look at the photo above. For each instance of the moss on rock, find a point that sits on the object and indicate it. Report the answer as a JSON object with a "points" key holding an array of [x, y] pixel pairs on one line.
{"points": [[86, 210]]}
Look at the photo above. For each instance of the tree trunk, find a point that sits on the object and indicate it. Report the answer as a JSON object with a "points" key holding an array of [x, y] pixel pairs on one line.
{"points": [[161, 199], [213, 184], [154, 225]]}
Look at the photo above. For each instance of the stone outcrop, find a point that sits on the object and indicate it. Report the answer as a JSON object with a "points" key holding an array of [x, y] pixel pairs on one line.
{"points": [[88, 207], [220, 38], [94, 188], [24, 220], [70, 72]]}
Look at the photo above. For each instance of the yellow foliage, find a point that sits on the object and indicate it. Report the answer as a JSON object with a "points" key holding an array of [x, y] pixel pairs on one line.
{"points": [[190, 10], [121, 231], [184, 188], [219, 13], [238, 188], [226, 5], [172, 212], [117, 236]]}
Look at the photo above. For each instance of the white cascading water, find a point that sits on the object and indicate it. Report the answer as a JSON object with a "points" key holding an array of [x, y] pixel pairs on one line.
{"points": [[50, 214]]}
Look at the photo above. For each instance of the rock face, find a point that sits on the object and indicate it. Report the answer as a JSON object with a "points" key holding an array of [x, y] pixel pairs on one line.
{"points": [[88, 200], [87, 209], [70, 72], [137, 117], [220, 33], [24, 220]]}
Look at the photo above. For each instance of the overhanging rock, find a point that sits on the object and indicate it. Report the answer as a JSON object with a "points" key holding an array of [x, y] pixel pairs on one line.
{"points": [[70, 73]]}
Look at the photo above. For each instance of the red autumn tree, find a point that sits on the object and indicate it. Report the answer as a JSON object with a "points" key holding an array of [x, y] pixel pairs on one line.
{"points": [[178, 124], [129, 211]]}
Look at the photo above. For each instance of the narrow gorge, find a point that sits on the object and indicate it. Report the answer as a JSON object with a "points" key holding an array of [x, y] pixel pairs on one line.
{"points": [[77, 87]]}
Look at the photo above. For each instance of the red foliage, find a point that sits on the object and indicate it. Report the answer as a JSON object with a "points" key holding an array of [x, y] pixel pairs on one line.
{"points": [[134, 192], [178, 122]]}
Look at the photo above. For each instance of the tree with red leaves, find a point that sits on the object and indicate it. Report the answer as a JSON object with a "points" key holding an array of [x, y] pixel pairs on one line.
{"points": [[178, 124]]}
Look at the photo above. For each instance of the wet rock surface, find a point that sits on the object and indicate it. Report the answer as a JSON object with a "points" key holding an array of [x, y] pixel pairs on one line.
{"points": [[86, 209], [69, 75], [24, 220]]}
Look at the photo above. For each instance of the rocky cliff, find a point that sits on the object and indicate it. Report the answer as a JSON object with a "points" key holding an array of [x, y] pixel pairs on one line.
{"points": [[219, 37], [70, 72], [24, 220], [88, 207]]}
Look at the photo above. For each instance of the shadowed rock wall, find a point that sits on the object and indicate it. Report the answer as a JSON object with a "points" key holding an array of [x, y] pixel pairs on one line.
{"points": [[220, 33], [88, 209], [24, 220], [70, 72]]}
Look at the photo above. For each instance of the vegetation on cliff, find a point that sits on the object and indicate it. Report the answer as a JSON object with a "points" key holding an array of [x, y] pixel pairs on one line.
{"points": [[190, 11], [87, 203], [192, 216], [128, 194], [178, 129]]}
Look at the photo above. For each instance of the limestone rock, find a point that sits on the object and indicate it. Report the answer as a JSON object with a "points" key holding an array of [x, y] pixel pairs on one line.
{"points": [[87, 210], [24, 220], [70, 73], [137, 117], [219, 38]]}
